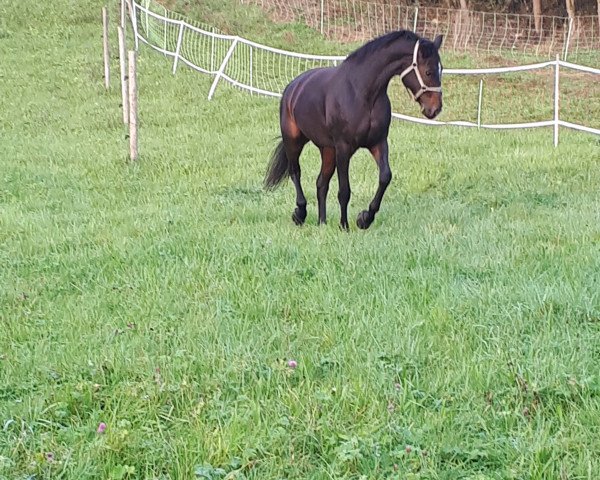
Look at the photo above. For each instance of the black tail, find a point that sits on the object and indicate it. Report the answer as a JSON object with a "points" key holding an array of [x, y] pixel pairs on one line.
{"points": [[278, 168]]}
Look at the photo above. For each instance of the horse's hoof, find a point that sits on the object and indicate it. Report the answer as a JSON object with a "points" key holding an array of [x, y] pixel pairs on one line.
{"points": [[299, 216], [364, 220]]}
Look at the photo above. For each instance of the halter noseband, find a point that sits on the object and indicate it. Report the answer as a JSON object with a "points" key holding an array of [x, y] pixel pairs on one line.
{"points": [[414, 67]]}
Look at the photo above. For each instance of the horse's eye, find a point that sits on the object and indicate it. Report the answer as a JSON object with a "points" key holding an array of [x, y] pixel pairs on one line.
{"points": [[428, 73]]}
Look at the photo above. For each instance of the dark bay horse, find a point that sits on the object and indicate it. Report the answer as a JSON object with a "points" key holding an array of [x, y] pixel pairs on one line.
{"points": [[344, 108]]}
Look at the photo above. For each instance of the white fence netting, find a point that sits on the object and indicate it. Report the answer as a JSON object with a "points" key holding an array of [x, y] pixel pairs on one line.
{"points": [[472, 31], [554, 93]]}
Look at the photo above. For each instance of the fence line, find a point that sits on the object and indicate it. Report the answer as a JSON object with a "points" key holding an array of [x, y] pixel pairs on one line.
{"points": [[265, 70], [473, 31]]}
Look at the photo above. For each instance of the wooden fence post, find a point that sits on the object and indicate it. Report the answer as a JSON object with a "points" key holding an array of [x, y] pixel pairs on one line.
{"points": [[123, 14], [106, 53], [122, 66], [556, 98], [133, 124]]}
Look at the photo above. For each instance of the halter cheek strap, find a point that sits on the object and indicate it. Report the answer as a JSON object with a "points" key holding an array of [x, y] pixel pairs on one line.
{"points": [[414, 67]]}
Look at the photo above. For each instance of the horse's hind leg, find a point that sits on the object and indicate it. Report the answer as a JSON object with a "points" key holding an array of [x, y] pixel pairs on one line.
{"points": [[293, 149], [380, 154]]}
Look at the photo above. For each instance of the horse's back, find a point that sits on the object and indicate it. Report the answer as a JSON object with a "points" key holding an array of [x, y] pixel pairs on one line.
{"points": [[309, 87], [303, 104]]}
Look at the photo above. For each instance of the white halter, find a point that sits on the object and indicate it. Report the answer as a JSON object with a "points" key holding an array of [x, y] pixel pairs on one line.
{"points": [[413, 67]]}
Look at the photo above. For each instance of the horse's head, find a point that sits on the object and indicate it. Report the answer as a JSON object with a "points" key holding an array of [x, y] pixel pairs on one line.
{"points": [[423, 77]]}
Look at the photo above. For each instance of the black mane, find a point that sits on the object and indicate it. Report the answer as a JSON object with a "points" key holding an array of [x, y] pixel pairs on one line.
{"points": [[381, 42]]}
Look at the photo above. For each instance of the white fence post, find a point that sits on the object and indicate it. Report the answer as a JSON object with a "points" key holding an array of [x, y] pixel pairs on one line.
{"points": [[165, 33], [178, 48], [212, 51], [556, 95], [479, 103], [322, 14], [222, 68], [251, 68], [147, 6]]}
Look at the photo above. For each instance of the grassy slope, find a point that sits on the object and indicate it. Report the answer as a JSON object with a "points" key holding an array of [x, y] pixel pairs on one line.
{"points": [[164, 298]]}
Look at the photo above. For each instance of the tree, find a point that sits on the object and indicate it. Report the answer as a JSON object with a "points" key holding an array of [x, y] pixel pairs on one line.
{"points": [[537, 15], [570, 8], [570, 4], [464, 22]]}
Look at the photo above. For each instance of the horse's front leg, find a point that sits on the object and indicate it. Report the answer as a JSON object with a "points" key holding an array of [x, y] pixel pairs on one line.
{"points": [[327, 169], [342, 160], [380, 154]]}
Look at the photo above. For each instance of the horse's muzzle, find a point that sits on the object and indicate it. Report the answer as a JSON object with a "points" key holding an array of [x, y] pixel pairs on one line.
{"points": [[431, 113], [431, 104]]}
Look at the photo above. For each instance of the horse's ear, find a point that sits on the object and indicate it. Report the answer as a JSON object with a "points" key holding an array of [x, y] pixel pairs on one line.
{"points": [[438, 41]]}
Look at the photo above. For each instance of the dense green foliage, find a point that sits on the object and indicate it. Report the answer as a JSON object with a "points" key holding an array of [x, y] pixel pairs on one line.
{"points": [[457, 338]]}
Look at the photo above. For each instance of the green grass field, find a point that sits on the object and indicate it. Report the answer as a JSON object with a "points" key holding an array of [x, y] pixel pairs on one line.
{"points": [[459, 337]]}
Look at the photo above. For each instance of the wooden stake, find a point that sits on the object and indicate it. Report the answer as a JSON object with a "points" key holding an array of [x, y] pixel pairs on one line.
{"points": [[123, 13], [133, 133], [556, 98], [106, 53], [124, 98]]}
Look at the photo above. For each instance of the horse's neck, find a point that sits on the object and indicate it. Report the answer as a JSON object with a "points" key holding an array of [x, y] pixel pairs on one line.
{"points": [[373, 76]]}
